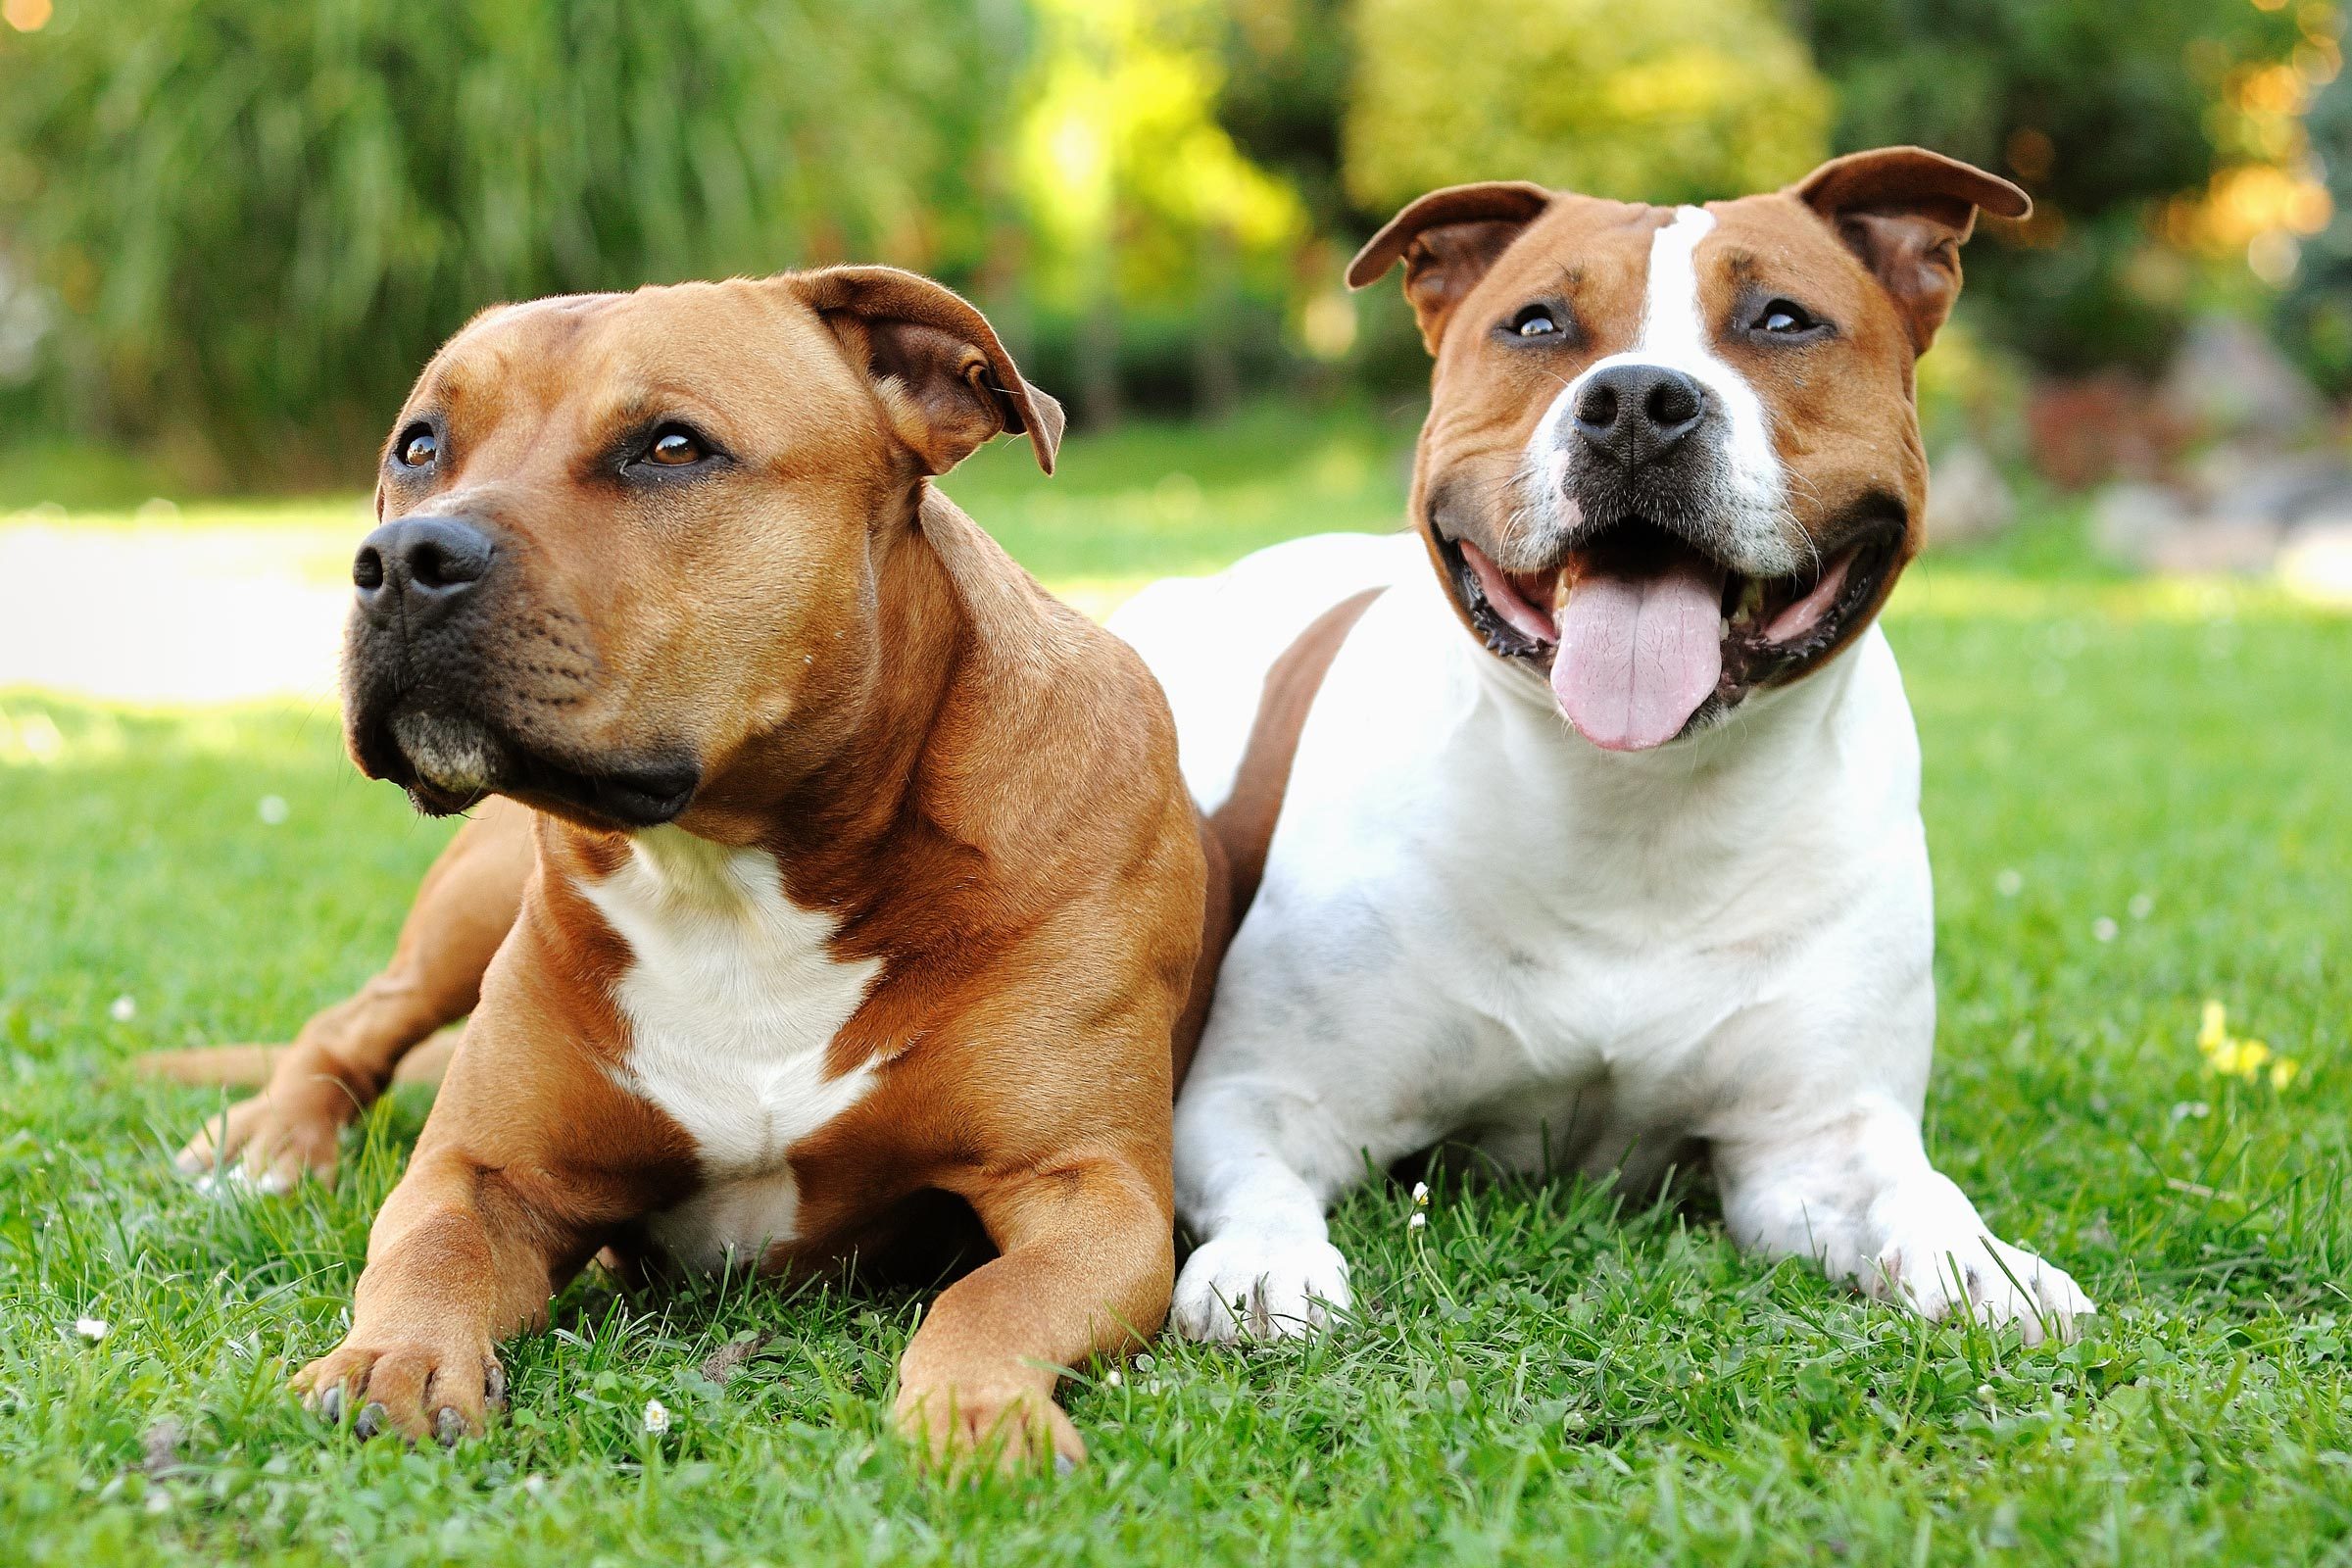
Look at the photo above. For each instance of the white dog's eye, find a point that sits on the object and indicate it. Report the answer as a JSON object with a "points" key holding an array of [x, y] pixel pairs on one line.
{"points": [[1534, 321], [1785, 317]]}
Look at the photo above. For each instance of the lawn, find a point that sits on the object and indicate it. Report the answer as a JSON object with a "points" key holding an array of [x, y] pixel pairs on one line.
{"points": [[2139, 798]]}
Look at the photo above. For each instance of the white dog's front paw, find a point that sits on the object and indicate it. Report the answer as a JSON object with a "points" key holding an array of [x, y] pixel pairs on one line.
{"points": [[1259, 1288], [1931, 1273]]}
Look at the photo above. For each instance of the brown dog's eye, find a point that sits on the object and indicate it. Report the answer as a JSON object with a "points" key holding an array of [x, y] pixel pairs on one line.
{"points": [[419, 447], [1536, 320], [674, 448]]}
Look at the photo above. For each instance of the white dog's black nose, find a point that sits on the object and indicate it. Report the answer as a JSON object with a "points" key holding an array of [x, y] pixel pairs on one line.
{"points": [[1634, 413], [420, 568]]}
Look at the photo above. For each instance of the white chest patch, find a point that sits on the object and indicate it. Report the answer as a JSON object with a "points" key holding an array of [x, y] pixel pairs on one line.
{"points": [[732, 1000]]}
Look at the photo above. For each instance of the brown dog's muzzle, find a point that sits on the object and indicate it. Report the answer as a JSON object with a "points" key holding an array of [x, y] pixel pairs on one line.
{"points": [[461, 679]]}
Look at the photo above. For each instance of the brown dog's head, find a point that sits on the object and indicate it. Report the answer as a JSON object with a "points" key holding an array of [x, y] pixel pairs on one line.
{"points": [[1672, 454], [623, 535]]}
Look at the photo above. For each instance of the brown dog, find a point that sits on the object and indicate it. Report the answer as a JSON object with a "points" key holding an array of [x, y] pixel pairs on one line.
{"points": [[818, 923]]}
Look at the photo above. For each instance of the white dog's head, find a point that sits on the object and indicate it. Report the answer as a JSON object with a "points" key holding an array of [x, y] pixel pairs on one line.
{"points": [[1672, 454]]}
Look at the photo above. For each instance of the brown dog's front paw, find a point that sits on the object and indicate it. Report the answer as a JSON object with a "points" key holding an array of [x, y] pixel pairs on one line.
{"points": [[271, 1142], [1013, 1425], [415, 1388]]}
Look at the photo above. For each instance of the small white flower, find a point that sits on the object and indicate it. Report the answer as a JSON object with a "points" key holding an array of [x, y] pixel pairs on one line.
{"points": [[1111, 1378], [124, 1009], [2143, 906], [273, 809], [2010, 883], [657, 1417], [2104, 928], [1418, 1221], [158, 1501], [1421, 1195], [92, 1329]]}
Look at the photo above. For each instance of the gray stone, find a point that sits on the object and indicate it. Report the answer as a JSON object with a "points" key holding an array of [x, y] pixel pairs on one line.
{"points": [[1969, 501], [2131, 519], [2227, 380], [2242, 545], [2244, 479]]}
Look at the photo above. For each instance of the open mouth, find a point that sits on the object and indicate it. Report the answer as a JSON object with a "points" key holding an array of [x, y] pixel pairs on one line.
{"points": [[1644, 636]]}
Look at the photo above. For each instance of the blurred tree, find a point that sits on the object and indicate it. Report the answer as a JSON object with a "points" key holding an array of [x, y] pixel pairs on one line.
{"points": [[2315, 316], [1673, 100], [1286, 65], [2104, 112], [1139, 201], [260, 219]]}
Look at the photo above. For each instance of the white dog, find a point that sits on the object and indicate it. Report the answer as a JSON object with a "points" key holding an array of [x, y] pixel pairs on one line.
{"points": [[1671, 471]]}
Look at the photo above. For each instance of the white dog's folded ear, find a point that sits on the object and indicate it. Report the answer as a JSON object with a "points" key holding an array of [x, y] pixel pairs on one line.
{"points": [[1905, 211], [1447, 239], [945, 382]]}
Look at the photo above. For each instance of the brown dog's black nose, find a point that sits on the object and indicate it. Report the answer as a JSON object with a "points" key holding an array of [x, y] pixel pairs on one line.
{"points": [[420, 568], [1634, 413]]}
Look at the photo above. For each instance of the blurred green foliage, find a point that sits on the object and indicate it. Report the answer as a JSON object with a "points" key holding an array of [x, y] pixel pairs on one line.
{"points": [[1668, 101], [2314, 317], [259, 217], [2100, 110], [231, 230], [1153, 244]]}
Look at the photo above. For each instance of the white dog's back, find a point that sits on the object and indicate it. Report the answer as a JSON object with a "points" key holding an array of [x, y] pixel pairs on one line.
{"points": [[1210, 640]]}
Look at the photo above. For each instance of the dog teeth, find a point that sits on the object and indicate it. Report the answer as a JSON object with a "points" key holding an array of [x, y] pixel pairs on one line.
{"points": [[1752, 603]]}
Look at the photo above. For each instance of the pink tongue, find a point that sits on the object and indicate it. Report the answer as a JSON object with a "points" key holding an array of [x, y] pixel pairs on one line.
{"points": [[1638, 655]]}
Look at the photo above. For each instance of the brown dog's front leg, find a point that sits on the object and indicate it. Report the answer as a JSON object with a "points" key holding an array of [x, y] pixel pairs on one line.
{"points": [[1087, 1254], [345, 1054], [461, 1256]]}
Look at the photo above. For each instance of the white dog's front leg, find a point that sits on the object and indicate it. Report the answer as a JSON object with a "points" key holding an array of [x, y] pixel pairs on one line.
{"points": [[1265, 1268], [1857, 1196]]}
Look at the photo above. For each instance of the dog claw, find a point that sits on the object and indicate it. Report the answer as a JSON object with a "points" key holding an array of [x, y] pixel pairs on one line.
{"points": [[1064, 1465], [330, 1406], [448, 1426], [494, 1386], [373, 1419]]}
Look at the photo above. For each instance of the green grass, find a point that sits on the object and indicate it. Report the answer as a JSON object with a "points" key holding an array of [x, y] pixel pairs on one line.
{"points": [[1543, 1376]]}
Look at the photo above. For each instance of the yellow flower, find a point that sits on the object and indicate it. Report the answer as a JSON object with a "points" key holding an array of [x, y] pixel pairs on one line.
{"points": [[2227, 1056]]}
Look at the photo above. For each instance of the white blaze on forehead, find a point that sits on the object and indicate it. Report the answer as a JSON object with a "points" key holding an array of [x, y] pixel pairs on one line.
{"points": [[1674, 333]]}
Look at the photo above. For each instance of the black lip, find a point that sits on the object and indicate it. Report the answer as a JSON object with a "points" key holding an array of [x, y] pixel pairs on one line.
{"points": [[624, 795], [1750, 661], [630, 797], [1501, 638]]}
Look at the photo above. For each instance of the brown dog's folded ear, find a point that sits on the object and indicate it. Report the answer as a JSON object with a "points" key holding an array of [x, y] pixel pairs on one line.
{"points": [[945, 382], [1906, 212], [1447, 239]]}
